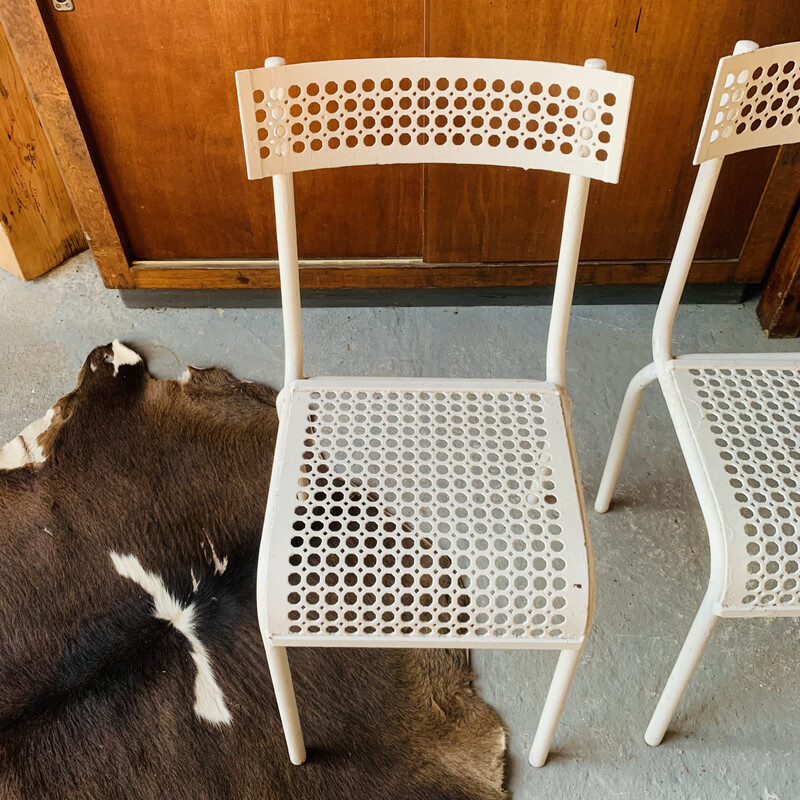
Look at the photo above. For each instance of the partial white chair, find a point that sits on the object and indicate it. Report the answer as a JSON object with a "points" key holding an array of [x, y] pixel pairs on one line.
{"points": [[737, 417], [434, 512]]}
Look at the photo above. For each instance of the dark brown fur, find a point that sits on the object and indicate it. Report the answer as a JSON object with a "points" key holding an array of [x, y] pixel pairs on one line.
{"points": [[96, 694]]}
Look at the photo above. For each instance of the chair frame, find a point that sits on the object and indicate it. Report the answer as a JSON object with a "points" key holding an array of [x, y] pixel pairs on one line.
{"points": [[710, 154], [580, 174]]}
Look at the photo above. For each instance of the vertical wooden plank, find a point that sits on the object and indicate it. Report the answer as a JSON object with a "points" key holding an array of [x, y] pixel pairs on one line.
{"points": [[773, 216], [38, 227], [42, 75], [779, 307]]}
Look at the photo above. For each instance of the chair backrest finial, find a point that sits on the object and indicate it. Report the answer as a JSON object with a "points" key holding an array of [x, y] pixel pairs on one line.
{"points": [[744, 46]]}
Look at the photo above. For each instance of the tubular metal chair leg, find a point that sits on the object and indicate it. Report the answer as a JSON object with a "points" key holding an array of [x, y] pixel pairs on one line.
{"points": [[692, 649], [554, 705], [622, 434], [287, 705]]}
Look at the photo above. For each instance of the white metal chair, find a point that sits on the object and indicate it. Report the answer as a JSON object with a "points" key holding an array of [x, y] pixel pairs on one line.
{"points": [[434, 512], [737, 417]]}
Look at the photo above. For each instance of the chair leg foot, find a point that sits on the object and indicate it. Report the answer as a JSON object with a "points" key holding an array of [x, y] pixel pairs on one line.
{"points": [[287, 704], [554, 705], [622, 434], [687, 660]]}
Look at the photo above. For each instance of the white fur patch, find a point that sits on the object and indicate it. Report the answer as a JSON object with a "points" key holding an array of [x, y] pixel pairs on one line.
{"points": [[121, 356], [209, 702], [220, 565], [25, 448]]}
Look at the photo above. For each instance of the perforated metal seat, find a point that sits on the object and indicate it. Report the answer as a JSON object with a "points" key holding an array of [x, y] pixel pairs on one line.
{"points": [[428, 513], [737, 417], [442, 512], [744, 416]]}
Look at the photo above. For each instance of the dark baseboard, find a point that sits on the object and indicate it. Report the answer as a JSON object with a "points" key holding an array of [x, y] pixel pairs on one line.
{"points": [[322, 298]]}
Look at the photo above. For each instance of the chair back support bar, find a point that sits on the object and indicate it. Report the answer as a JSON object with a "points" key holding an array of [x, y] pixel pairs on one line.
{"points": [[571, 234], [755, 103], [286, 228], [682, 258], [529, 114]]}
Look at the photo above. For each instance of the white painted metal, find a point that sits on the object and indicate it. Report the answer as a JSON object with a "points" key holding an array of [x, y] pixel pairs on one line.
{"points": [[622, 434], [530, 114], [574, 214], [692, 226], [702, 627], [283, 192], [755, 101], [287, 705], [554, 705], [745, 421], [428, 512], [737, 416]]}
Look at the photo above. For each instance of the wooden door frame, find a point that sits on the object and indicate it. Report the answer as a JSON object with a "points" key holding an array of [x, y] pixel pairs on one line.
{"points": [[37, 60]]}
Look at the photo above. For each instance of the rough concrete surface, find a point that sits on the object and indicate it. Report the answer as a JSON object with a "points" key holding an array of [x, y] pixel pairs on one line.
{"points": [[737, 730]]}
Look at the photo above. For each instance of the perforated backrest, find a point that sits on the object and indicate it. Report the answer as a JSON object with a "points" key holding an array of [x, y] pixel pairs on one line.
{"points": [[755, 102], [529, 114]]}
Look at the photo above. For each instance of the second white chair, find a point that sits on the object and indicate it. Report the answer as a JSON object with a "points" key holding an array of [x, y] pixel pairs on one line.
{"points": [[737, 416]]}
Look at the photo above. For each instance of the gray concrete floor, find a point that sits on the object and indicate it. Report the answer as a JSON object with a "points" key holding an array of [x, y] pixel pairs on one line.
{"points": [[737, 731]]}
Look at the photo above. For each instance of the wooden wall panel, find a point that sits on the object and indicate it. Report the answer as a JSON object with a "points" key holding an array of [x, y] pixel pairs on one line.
{"points": [[150, 85], [154, 89], [672, 47]]}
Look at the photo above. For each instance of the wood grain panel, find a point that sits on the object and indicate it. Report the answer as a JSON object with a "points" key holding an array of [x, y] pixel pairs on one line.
{"points": [[38, 228], [417, 275], [155, 92], [672, 47], [40, 70]]}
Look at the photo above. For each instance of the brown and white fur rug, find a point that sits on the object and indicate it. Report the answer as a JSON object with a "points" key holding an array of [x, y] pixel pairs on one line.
{"points": [[131, 664]]}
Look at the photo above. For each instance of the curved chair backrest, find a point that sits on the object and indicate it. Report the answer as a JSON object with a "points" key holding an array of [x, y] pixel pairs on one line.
{"points": [[528, 114], [755, 102]]}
